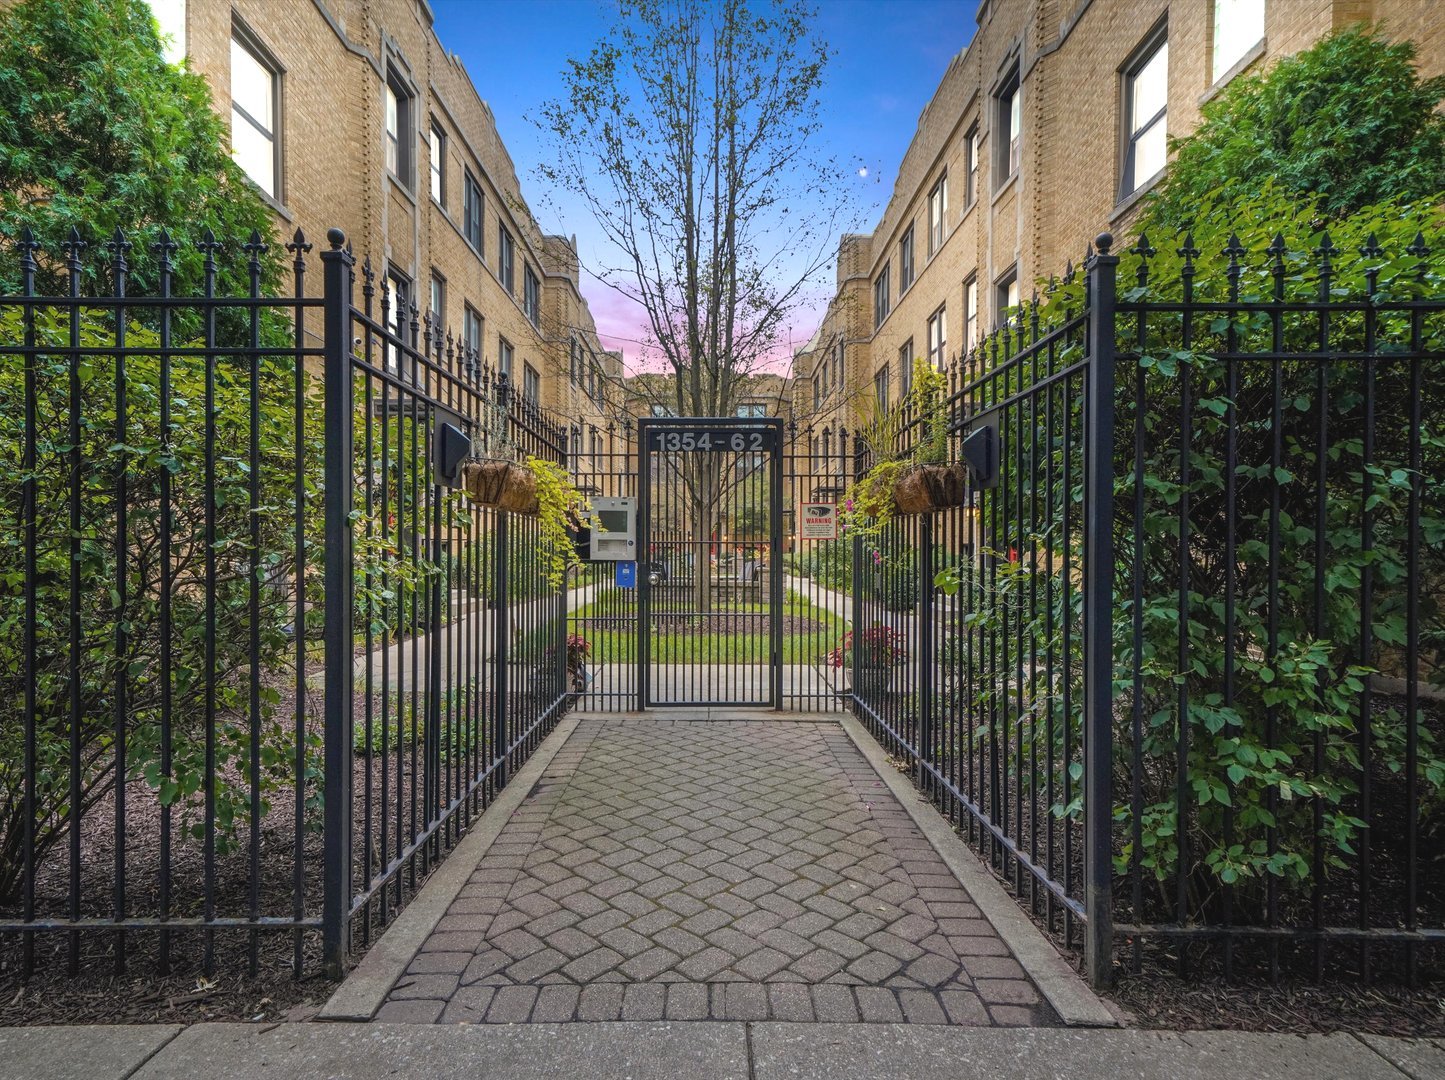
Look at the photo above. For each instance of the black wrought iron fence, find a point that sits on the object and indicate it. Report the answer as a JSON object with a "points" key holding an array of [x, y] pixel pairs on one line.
{"points": [[261, 663], [1183, 686]]}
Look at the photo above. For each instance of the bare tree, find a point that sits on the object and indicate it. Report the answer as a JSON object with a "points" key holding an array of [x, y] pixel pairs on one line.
{"points": [[689, 132]]}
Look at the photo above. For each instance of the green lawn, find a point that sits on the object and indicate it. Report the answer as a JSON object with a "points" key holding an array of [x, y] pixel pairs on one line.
{"points": [[677, 642]]}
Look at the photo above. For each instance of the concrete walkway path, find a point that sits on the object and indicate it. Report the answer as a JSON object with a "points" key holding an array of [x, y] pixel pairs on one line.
{"points": [[682, 867], [706, 1051]]}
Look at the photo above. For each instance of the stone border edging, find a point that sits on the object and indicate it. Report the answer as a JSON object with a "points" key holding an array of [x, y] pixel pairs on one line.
{"points": [[1076, 1004], [365, 988]]}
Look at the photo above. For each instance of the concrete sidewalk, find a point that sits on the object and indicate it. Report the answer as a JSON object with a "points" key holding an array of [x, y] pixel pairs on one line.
{"points": [[698, 1051]]}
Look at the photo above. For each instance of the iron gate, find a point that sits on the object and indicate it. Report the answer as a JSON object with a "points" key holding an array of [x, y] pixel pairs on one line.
{"points": [[710, 577]]}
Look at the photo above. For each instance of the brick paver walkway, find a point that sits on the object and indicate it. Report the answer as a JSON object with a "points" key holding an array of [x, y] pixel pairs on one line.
{"points": [[690, 870]]}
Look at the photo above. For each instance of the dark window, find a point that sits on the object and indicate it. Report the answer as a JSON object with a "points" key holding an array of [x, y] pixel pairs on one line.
{"points": [[905, 366], [438, 305], [1006, 293], [574, 365], [472, 212], [817, 392], [905, 261], [472, 331], [506, 260], [531, 384], [880, 386], [504, 357], [399, 128], [531, 296], [1008, 127], [1146, 108], [880, 298]]}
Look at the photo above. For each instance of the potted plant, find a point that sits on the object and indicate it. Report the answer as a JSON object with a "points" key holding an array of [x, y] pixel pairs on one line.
{"points": [[871, 655], [929, 482], [578, 650], [497, 479]]}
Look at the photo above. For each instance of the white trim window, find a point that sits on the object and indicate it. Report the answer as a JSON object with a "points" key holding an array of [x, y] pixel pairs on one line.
{"points": [[1146, 102], [881, 379], [1008, 111], [531, 296], [971, 147], [1238, 27], [970, 314], [504, 357], [938, 338], [472, 331], [472, 207], [880, 297], [531, 384], [507, 260], [255, 98], [937, 214], [437, 147]]}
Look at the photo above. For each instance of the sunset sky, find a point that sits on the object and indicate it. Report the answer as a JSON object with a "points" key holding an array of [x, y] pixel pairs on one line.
{"points": [[890, 55]]}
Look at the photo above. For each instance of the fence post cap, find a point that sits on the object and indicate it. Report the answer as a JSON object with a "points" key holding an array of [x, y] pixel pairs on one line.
{"points": [[336, 238], [1103, 242]]}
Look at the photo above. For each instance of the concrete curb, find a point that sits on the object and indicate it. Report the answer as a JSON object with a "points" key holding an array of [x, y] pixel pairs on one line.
{"points": [[1076, 1004], [364, 990]]}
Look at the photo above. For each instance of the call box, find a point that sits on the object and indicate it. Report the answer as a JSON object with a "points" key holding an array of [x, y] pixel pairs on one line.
{"points": [[613, 521]]}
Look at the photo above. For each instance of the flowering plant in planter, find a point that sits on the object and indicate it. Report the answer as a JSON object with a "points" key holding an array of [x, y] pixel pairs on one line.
{"points": [[877, 646], [578, 650]]}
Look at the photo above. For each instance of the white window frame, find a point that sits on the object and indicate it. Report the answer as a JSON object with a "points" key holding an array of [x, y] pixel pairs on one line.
{"points": [[938, 338], [269, 127], [399, 126], [437, 163], [1008, 123], [1229, 15], [970, 314], [937, 215], [474, 213], [1136, 128]]}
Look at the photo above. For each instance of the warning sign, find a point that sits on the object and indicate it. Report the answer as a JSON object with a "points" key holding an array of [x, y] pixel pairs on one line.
{"points": [[820, 521]]}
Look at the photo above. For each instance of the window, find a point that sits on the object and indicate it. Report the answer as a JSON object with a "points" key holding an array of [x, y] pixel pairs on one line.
{"points": [[1238, 27], [472, 212], [937, 213], [531, 384], [398, 129], [254, 114], [817, 393], [749, 409], [438, 156], [838, 361], [937, 337], [971, 149], [574, 366], [438, 306], [397, 316], [880, 298], [970, 314], [531, 296], [1146, 103], [1008, 123], [1007, 293], [504, 356], [506, 260], [905, 367], [905, 261], [880, 386], [472, 331]]}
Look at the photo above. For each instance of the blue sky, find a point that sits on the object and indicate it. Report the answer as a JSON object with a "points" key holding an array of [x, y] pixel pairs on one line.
{"points": [[889, 57]]}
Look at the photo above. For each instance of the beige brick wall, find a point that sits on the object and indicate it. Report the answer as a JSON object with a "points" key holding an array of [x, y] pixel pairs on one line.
{"points": [[1070, 54], [334, 56]]}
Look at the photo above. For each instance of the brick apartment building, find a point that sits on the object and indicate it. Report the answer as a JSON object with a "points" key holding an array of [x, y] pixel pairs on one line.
{"points": [[352, 113], [1046, 130]]}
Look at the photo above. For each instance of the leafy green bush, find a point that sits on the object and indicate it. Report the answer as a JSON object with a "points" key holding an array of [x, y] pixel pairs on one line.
{"points": [[1346, 124]]}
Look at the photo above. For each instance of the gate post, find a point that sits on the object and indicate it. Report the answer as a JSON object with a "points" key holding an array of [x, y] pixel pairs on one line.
{"points": [[925, 647], [1098, 615], [339, 476]]}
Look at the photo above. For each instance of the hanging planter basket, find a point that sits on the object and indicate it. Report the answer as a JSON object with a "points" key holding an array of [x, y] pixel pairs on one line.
{"points": [[921, 489], [503, 484]]}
